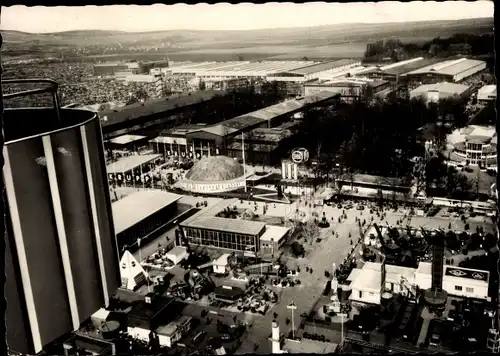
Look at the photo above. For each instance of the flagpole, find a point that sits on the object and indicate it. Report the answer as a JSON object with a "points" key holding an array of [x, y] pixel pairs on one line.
{"points": [[243, 154]]}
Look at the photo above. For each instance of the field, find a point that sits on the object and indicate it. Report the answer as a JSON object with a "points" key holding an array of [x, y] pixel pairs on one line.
{"points": [[334, 41]]}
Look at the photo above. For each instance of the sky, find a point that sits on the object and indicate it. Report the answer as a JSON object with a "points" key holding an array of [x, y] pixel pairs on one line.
{"points": [[222, 16]]}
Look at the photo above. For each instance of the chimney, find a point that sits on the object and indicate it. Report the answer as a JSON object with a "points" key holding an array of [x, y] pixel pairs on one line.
{"points": [[276, 340]]}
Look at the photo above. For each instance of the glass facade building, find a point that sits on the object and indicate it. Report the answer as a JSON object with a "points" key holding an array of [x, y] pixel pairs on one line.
{"points": [[226, 240]]}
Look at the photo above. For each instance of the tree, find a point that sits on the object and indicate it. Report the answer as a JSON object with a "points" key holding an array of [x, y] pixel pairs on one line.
{"points": [[310, 230]]}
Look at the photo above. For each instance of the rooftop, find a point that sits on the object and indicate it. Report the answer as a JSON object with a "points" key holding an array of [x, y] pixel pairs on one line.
{"points": [[138, 110], [205, 219], [449, 88], [487, 90], [222, 260], [215, 169], [408, 67], [124, 139], [275, 233], [320, 67], [283, 108], [306, 346], [236, 226], [368, 279], [376, 180], [138, 206], [167, 330], [88, 343], [128, 163], [448, 67], [177, 251]]}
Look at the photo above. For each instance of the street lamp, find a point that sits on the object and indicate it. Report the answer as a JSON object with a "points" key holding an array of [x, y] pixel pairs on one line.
{"points": [[292, 307]]}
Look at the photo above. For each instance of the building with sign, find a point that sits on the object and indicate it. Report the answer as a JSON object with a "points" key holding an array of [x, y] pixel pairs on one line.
{"points": [[245, 236], [366, 283], [215, 174], [132, 169], [141, 214]]}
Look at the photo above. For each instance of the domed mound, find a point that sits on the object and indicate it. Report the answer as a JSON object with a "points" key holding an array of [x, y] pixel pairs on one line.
{"points": [[215, 168]]}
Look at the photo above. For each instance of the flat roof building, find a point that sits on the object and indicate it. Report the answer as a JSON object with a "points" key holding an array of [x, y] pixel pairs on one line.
{"points": [[204, 228], [453, 71], [131, 164], [126, 142], [444, 90], [487, 93], [139, 214]]}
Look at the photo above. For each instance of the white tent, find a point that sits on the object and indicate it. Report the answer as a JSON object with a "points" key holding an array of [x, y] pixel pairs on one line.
{"points": [[131, 272]]}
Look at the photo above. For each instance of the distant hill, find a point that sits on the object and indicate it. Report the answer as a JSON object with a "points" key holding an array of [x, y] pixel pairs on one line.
{"points": [[325, 34], [319, 42]]}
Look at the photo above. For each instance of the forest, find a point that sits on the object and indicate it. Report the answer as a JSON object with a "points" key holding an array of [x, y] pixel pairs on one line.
{"points": [[458, 44]]}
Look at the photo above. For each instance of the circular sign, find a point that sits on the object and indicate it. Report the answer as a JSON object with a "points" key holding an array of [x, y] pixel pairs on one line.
{"points": [[300, 155], [297, 156], [111, 176], [128, 177], [175, 153], [190, 154], [147, 178], [169, 153], [137, 178], [119, 177], [183, 154], [198, 155]]}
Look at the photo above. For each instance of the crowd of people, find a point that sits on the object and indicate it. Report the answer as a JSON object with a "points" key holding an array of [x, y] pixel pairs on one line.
{"points": [[77, 84]]}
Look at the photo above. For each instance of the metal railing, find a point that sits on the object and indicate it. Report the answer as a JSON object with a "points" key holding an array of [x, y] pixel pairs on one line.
{"points": [[51, 88]]}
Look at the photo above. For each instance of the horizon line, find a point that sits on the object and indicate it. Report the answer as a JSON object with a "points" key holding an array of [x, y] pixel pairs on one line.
{"points": [[254, 29]]}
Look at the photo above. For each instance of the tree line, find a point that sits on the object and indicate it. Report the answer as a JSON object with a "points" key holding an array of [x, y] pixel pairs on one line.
{"points": [[458, 44], [381, 137]]}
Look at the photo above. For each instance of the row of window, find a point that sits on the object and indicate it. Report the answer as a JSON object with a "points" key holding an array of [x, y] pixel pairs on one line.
{"points": [[222, 239], [474, 146]]}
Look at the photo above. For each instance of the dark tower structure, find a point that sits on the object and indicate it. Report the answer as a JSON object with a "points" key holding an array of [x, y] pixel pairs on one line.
{"points": [[61, 256], [436, 297]]}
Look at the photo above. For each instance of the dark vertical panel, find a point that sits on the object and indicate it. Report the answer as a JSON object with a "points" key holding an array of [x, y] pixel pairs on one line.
{"points": [[40, 235], [19, 337], [103, 204], [73, 190]]}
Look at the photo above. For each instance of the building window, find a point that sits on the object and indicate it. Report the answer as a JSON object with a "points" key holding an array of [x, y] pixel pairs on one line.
{"points": [[360, 294], [458, 288], [469, 290]]}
